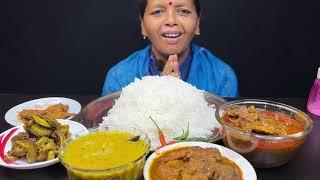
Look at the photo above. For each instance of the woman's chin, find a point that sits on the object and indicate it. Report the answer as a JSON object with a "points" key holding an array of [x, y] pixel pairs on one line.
{"points": [[166, 50]]}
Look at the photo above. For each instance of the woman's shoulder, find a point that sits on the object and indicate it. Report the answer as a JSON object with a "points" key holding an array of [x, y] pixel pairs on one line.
{"points": [[204, 55], [217, 71], [135, 59], [135, 65]]}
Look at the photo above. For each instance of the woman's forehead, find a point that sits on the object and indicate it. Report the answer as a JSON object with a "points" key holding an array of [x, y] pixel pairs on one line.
{"points": [[169, 2]]}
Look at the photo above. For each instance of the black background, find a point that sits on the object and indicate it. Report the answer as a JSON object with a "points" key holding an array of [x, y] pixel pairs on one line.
{"points": [[64, 47]]}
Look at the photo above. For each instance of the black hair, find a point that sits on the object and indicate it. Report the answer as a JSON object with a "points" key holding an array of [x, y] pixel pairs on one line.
{"points": [[142, 4]]}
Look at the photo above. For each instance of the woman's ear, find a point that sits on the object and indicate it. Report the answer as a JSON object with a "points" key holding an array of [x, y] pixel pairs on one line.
{"points": [[198, 27], [143, 29]]}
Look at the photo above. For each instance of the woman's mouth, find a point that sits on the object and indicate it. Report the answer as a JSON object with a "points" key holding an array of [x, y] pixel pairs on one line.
{"points": [[171, 37]]}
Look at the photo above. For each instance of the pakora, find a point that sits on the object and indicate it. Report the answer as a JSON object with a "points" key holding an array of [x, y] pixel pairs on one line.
{"points": [[40, 142], [56, 111]]}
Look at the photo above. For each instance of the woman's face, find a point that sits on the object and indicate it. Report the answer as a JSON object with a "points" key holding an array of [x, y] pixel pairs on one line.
{"points": [[170, 25]]}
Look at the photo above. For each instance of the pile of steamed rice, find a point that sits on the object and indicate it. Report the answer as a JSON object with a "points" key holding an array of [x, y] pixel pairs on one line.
{"points": [[171, 102]]}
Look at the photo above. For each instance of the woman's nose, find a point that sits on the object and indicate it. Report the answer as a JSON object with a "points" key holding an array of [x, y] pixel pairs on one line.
{"points": [[171, 19]]}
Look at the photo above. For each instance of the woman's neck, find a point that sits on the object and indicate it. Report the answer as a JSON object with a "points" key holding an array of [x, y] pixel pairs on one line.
{"points": [[164, 57]]}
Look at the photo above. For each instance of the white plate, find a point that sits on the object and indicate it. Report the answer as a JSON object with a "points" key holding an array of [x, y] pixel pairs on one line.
{"points": [[248, 171], [74, 127], [12, 116]]}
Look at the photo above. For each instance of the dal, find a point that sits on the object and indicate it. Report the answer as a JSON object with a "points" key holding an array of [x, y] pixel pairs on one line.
{"points": [[103, 150], [105, 154]]}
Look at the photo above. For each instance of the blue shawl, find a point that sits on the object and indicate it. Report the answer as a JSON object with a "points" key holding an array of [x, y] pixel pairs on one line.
{"points": [[207, 73]]}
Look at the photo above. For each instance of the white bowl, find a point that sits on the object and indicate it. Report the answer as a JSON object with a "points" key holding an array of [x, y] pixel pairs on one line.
{"points": [[248, 171]]}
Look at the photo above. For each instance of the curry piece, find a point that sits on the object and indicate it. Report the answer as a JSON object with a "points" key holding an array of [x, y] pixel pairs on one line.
{"points": [[56, 111], [194, 163], [38, 143], [251, 119]]}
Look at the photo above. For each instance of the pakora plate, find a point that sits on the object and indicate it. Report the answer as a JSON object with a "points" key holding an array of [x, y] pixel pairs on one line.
{"points": [[5, 146], [12, 115]]}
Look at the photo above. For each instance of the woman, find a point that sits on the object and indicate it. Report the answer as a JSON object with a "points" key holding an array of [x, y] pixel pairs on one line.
{"points": [[170, 25]]}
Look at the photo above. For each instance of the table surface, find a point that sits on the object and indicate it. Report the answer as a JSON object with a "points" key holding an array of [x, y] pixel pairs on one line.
{"points": [[304, 165]]}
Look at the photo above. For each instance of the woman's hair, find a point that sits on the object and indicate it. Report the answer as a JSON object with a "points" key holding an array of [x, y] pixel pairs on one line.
{"points": [[142, 4]]}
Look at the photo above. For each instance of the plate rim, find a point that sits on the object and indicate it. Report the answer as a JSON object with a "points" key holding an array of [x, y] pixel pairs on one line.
{"points": [[37, 164], [12, 109], [253, 174]]}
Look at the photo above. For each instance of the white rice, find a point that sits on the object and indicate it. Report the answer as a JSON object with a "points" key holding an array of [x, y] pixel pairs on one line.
{"points": [[171, 102]]}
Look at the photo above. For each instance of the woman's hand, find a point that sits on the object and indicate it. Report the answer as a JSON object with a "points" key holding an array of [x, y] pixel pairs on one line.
{"points": [[171, 68]]}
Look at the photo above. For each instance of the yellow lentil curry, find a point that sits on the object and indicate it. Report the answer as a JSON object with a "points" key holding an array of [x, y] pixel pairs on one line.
{"points": [[103, 150], [109, 155]]}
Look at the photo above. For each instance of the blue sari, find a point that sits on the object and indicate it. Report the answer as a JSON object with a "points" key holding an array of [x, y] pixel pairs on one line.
{"points": [[207, 72]]}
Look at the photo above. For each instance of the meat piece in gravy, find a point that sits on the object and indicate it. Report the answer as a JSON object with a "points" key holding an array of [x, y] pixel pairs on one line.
{"points": [[194, 163]]}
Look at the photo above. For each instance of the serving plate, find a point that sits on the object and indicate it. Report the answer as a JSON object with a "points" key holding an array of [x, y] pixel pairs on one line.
{"points": [[12, 115], [248, 172], [5, 146]]}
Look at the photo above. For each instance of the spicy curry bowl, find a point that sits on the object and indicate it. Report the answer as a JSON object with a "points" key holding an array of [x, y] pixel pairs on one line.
{"points": [[109, 152], [266, 133], [197, 160]]}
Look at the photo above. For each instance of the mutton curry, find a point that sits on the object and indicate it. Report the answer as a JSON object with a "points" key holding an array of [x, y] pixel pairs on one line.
{"points": [[193, 163], [254, 120]]}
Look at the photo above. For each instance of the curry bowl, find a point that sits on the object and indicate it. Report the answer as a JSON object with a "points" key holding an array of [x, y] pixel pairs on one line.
{"points": [[163, 156], [266, 133], [109, 152]]}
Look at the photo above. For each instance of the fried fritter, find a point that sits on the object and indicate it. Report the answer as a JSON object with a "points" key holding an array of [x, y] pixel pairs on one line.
{"points": [[23, 147], [56, 111], [40, 142]]}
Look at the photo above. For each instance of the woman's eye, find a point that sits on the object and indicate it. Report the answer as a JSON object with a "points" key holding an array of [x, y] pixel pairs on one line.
{"points": [[184, 12], [157, 12]]}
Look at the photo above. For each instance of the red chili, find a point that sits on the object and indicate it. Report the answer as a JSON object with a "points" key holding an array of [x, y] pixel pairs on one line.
{"points": [[4, 143], [161, 136]]}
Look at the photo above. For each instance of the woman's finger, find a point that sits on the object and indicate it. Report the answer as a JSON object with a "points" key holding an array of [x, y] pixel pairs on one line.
{"points": [[175, 65], [171, 68], [167, 68]]}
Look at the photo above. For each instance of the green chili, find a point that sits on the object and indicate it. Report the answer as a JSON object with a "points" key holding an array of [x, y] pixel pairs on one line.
{"points": [[196, 139], [184, 134]]}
